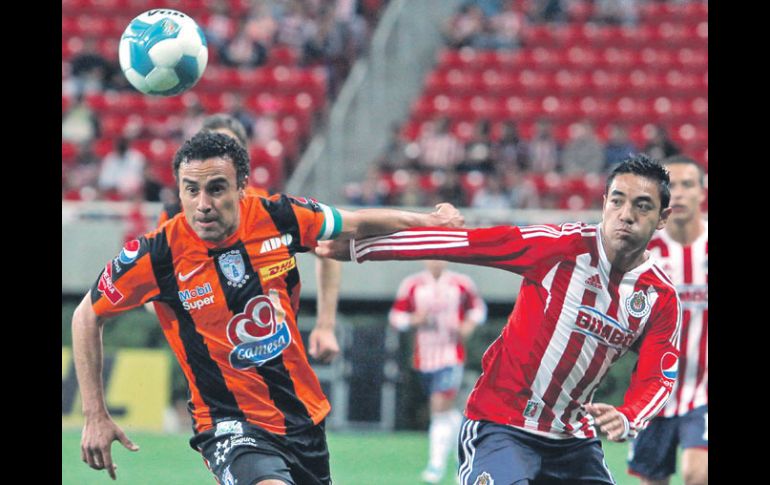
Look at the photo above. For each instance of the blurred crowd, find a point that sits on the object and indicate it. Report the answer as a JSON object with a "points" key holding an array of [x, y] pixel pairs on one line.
{"points": [[318, 34]]}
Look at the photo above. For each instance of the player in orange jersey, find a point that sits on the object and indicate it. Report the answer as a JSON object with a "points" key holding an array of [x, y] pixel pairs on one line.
{"points": [[226, 277]]}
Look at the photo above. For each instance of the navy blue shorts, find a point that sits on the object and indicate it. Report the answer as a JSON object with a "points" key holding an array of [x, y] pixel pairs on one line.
{"points": [[239, 453], [491, 453], [653, 453], [446, 379]]}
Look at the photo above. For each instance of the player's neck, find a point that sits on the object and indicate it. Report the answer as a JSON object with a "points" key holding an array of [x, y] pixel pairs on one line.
{"points": [[686, 232], [624, 261]]}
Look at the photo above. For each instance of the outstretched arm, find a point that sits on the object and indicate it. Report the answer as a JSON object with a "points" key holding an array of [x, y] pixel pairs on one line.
{"points": [[371, 222], [99, 430]]}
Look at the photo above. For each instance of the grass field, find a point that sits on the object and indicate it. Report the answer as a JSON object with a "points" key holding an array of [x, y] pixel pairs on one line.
{"points": [[356, 459]]}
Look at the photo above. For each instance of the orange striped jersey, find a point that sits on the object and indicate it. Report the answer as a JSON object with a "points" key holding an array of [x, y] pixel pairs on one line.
{"points": [[228, 310], [170, 210]]}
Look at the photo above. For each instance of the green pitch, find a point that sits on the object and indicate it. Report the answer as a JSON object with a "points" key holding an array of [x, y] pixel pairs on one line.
{"points": [[356, 459]]}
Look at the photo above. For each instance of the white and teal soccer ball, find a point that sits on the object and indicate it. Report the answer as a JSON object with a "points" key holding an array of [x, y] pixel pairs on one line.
{"points": [[163, 52]]}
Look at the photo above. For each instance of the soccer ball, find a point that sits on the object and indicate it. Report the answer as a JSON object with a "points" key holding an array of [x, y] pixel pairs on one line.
{"points": [[163, 52]]}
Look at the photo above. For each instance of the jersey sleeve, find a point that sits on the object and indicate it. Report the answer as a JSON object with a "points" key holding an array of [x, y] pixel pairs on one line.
{"points": [[403, 306], [126, 282], [525, 250], [655, 373], [317, 221], [474, 307]]}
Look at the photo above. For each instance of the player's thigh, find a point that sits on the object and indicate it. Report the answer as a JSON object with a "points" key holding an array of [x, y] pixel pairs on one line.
{"points": [[245, 459], [652, 454], [488, 453], [574, 462], [695, 466]]}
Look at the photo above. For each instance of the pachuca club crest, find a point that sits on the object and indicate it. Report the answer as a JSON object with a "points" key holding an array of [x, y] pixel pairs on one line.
{"points": [[232, 266]]}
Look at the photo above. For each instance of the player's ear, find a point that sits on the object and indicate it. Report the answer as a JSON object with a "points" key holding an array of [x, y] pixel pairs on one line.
{"points": [[664, 217]]}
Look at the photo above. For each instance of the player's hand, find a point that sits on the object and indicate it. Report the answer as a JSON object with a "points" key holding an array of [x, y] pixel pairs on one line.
{"points": [[609, 420], [419, 318], [96, 443], [338, 249], [322, 344], [448, 215]]}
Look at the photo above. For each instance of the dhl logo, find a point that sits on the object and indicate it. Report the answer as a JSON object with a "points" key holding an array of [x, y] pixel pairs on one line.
{"points": [[271, 272]]}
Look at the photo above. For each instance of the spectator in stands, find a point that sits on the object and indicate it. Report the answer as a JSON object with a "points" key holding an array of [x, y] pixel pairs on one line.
{"points": [[261, 26], [463, 28], [521, 191], [492, 195], [122, 171], [151, 185], [83, 176], [372, 192], [80, 123], [394, 155], [237, 109], [265, 129], [450, 190], [543, 152], [193, 120], [507, 26], [439, 148], [623, 12], [548, 11], [583, 153], [478, 151], [412, 194], [510, 151], [90, 71], [618, 147], [243, 51], [659, 145], [328, 45], [294, 27], [220, 25]]}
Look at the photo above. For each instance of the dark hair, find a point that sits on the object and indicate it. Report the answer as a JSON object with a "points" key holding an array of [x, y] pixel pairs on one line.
{"points": [[223, 120], [209, 144], [685, 160], [644, 166]]}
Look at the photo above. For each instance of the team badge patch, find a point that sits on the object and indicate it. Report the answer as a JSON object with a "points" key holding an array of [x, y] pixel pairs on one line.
{"points": [[637, 305], [484, 479], [531, 409], [232, 266]]}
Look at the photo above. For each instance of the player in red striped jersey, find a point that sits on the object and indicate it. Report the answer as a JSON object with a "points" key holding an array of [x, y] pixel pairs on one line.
{"points": [[590, 293], [444, 309], [225, 273], [683, 249]]}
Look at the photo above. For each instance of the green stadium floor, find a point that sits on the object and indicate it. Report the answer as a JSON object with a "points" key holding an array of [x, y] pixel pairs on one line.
{"points": [[356, 459]]}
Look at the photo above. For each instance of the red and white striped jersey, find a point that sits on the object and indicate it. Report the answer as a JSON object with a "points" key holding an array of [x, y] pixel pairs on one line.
{"points": [[688, 268], [574, 317], [448, 301]]}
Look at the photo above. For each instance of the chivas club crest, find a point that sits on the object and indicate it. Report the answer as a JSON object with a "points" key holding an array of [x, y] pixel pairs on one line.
{"points": [[232, 266], [484, 479], [637, 305]]}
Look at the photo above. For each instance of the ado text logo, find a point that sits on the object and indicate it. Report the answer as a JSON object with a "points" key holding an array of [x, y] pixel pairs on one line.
{"points": [[260, 333]]}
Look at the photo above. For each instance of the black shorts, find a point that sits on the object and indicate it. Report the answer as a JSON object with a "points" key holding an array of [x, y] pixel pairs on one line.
{"points": [[240, 451]]}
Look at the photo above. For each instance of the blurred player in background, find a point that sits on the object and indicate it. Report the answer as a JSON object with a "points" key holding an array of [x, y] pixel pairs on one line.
{"points": [[590, 293], [444, 308], [683, 249], [228, 285]]}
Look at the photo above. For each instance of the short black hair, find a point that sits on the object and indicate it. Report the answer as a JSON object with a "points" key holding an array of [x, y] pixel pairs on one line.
{"points": [[685, 160], [210, 144], [644, 166], [223, 120]]}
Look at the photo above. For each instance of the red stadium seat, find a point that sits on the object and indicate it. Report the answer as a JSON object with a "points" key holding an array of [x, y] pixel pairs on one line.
{"points": [[571, 82], [595, 108], [693, 59]]}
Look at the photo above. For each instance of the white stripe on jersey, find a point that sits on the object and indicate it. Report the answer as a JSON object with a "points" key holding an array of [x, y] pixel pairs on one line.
{"points": [[652, 408], [412, 246], [470, 433], [564, 232], [423, 238]]}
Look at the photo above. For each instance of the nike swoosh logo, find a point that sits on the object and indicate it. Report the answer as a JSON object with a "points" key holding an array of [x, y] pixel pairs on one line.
{"points": [[188, 275]]}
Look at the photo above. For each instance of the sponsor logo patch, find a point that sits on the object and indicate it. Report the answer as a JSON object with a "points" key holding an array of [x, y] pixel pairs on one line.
{"points": [[268, 273], [107, 287], [531, 410], [196, 298], [669, 366], [602, 327], [276, 242], [129, 252], [594, 282], [260, 333], [229, 427]]}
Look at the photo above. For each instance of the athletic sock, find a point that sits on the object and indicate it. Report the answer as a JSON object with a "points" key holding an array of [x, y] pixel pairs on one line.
{"points": [[442, 434]]}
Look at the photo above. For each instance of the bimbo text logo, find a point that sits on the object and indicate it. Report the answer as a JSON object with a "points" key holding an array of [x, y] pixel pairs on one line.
{"points": [[129, 252], [607, 330], [260, 333], [669, 366]]}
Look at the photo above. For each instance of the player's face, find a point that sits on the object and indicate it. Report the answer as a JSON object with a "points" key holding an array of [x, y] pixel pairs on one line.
{"points": [[210, 197], [631, 213], [687, 194]]}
